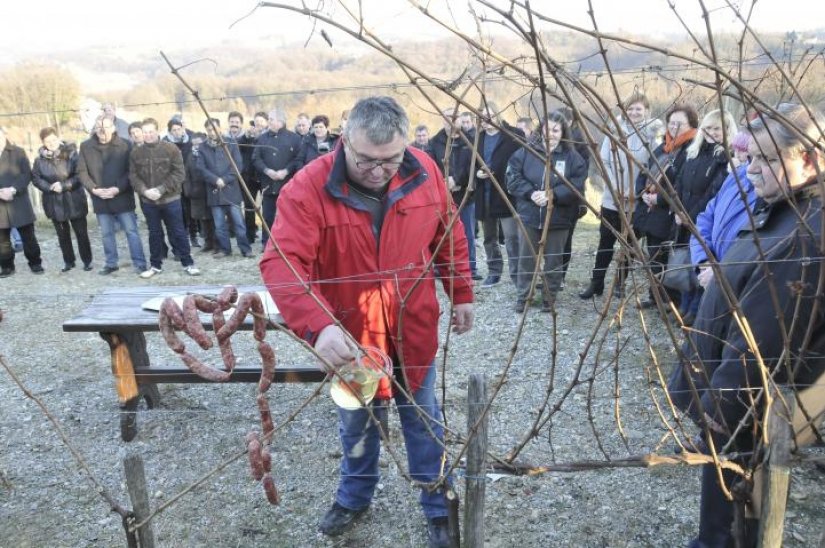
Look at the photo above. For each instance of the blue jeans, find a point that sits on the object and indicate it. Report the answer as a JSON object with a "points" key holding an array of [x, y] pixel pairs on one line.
{"points": [[361, 444], [468, 218], [128, 222], [235, 214], [170, 215]]}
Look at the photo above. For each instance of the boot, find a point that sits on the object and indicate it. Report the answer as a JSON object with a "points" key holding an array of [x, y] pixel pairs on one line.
{"points": [[596, 287], [210, 243]]}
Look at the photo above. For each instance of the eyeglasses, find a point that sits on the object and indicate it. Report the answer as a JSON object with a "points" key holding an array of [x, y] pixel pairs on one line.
{"points": [[368, 165]]}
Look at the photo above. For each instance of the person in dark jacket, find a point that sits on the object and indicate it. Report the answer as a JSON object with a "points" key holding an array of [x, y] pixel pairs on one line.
{"points": [[318, 141], [706, 166], [276, 158], [16, 208], [194, 188], [246, 140], [223, 190], [181, 137], [493, 203], [103, 169], [454, 156], [156, 172], [64, 200], [527, 178], [779, 333], [652, 218]]}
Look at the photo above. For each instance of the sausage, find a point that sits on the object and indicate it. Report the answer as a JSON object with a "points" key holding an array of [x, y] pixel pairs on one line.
{"points": [[271, 491], [227, 296], [267, 366], [169, 317], [266, 458], [205, 304], [266, 418], [202, 370], [227, 354], [237, 318], [259, 319], [192, 323], [253, 450]]}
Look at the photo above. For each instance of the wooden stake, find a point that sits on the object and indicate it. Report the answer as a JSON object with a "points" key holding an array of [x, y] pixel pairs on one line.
{"points": [[476, 479], [777, 470], [136, 484]]}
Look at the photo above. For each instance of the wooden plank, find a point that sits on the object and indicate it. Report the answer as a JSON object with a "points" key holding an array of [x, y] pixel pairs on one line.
{"points": [[476, 479]]}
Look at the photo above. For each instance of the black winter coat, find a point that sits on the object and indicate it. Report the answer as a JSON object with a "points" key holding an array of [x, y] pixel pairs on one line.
{"points": [[489, 202], [657, 221], [525, 175], [698, 181], [212, 164], [49, 168], [276, 151], [312, 149], [718, 350], [106, 166], [460, 159], [194, 188], [16, 172]]}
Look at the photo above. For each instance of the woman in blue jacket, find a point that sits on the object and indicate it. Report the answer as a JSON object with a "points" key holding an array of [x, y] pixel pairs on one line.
{"points": [[545, 195]]}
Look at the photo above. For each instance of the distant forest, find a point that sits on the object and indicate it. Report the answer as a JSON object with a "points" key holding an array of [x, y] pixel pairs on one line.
{"points": [[326, 80]]}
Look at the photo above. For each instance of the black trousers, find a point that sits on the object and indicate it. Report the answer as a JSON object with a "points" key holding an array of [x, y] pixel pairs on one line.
{"points": [[604, 253], [31, 249], [64, 239], [250, 217]]}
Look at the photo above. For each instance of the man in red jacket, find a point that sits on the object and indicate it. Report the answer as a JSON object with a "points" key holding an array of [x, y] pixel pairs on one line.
{"points": [[362, 228]]}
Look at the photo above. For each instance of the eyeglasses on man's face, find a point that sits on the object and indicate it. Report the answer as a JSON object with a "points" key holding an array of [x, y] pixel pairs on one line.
{"points": [[368, 164]]}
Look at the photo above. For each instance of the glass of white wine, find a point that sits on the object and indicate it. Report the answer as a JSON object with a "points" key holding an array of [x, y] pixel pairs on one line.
{"points": [[360, 377]]}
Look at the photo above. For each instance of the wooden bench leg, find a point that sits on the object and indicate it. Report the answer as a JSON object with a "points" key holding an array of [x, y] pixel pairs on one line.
{"points": [[128, 352]]}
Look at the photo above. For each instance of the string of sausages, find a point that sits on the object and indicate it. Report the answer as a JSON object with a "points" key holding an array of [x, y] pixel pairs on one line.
{"points": [[173, 317]]}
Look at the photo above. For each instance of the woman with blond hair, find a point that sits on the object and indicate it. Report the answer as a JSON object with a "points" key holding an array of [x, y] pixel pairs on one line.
{"points": [[704, 170]]}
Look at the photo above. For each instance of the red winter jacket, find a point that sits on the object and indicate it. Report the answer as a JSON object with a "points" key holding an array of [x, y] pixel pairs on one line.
{"points": [[373, 289]]}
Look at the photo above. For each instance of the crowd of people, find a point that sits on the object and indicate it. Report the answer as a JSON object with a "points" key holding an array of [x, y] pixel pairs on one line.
{"points": [[743, 198], [186, 183]]}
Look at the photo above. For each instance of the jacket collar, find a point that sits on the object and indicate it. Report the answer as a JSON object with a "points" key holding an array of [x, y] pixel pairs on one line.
{"points": [[764, 210], [410, 176]]}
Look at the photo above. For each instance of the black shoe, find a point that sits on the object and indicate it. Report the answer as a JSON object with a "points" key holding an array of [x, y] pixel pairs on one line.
{"points": [[37, 269], [6, 272], [106, 270], [548, 305], [647, 304], [688, 319], [595, 288], [67, 267], [438, 533], [338, 520], [477, 277], [519, 307], [87, 267], [491, 281]]}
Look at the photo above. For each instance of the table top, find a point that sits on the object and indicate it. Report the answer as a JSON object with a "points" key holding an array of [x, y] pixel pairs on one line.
{"points": [[119, 309]]}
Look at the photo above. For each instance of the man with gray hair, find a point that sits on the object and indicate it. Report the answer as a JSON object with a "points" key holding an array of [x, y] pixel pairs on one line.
{"points": [[276, 159], [372, 218]]}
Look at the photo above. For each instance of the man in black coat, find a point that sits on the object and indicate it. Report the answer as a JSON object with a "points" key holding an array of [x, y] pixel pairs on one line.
{"points": [[103, 168], [779, 333], [276, 159], [493, 203], [16, 208]]}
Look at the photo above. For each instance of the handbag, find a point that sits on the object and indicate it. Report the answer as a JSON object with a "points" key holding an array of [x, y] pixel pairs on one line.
{"points": [[679, 274]]}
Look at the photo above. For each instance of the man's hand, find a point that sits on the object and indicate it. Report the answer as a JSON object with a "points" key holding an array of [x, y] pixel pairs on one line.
{"points": [[539, 198], [705, 276], [281, 174], [332, 345], [451, 186], [7, 194], [219, 183], [152, 194], [481, 174], [57, 187], [462, 318]]}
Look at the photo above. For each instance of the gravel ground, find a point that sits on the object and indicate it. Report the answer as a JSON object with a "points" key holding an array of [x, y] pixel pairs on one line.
{"points": [[46, 501]]}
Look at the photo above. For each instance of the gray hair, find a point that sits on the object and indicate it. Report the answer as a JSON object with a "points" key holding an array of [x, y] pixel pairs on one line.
{"points": [[381, 118], [782, 133], [279, 114]]}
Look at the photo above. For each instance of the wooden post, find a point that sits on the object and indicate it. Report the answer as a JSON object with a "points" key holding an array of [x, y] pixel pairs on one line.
{"points": [[777, 470], [476, 462], [136, 484]]}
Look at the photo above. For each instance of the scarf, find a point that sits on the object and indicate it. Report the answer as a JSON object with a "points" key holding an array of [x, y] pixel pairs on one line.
{"points": [[672, 144]]}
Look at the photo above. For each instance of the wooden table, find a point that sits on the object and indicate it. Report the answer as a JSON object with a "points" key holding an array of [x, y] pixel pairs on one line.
{"points": [[116, 314]]}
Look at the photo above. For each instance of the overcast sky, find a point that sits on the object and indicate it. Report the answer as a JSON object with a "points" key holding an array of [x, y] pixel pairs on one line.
{"points": [[37, 27]]}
